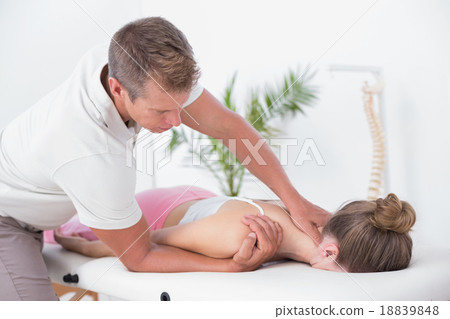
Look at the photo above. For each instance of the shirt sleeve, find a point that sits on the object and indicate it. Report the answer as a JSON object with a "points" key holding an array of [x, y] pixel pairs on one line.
{"points": [[195, 94], [102, 189]]}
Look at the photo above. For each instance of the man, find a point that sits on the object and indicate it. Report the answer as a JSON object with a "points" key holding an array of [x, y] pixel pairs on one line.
{"points": [[67, 155]]}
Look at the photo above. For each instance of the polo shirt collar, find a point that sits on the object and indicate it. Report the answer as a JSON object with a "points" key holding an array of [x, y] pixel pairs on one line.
{"points": [[111, 117]]}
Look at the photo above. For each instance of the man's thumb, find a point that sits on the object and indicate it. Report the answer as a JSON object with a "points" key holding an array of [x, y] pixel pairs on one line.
{"points": [[246, 250]]}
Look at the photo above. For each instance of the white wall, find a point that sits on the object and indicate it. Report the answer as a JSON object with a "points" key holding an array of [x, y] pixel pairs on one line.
{"points": [[41, 42]]}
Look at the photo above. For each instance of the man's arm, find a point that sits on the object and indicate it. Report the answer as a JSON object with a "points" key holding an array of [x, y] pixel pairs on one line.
{"points": [[132, 245], [208, 116]]}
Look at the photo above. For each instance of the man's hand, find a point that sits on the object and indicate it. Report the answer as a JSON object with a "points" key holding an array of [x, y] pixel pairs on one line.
{"points": [[259, 246], [309, 218]]}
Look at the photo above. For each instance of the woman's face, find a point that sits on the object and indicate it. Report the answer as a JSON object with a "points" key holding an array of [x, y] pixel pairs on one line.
{"points": [[325, 256]]}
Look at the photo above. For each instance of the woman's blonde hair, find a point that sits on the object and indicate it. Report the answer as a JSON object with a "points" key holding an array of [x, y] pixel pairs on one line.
{"points": [[373, 235]]}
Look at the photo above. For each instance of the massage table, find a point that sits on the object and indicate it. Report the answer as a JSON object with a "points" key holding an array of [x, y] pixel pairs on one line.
{"points": [[427, 278]]}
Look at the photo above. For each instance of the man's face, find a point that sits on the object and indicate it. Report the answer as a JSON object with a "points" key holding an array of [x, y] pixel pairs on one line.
{"points": [[157, 110]]}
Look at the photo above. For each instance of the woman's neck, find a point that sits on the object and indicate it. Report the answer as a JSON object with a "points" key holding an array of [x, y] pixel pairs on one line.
{"points": [[296, 244]]}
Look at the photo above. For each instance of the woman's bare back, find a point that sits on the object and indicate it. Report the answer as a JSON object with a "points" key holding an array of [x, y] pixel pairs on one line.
{"points": [[220, 235]]}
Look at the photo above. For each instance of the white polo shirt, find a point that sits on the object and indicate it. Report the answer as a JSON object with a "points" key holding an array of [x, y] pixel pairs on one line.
{"points": [[67, 155]]}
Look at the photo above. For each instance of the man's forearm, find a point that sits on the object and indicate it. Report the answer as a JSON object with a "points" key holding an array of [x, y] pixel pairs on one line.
{"points": [[163, 258], [265, 161]]}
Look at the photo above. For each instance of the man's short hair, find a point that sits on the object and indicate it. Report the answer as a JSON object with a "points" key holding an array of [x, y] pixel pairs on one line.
{"points": [[152, 48]]}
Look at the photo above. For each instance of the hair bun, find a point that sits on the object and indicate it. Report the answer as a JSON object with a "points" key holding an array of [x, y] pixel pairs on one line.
{"points": [[393, 214]]}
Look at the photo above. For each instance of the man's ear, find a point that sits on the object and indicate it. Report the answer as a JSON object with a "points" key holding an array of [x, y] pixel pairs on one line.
{"points": [[116, 88]]}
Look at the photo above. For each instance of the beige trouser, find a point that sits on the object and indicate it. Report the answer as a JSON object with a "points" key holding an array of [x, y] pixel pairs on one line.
{"points": [[23, 274]]}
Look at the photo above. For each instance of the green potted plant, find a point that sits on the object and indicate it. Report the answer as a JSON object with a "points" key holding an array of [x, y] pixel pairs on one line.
{"points": [[287, 99]]}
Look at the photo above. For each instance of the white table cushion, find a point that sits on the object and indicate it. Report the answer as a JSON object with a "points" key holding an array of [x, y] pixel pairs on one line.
{"points": [[427, 278]]}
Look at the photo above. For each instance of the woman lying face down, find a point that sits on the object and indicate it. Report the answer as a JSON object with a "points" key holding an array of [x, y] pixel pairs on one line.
{"points": [[363, 236]]}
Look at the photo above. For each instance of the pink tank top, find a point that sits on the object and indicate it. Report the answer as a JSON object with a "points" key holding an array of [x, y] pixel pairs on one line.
{"points": [[156, 204]]}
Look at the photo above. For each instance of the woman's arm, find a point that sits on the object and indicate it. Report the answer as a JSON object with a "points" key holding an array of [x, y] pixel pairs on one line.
{"points": [[83, 246], [135, 250], [219, 235], [257, 248], [205, 236]]}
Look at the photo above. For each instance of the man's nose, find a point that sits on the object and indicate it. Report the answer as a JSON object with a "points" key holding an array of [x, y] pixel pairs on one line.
{"points": [[174, 118]]}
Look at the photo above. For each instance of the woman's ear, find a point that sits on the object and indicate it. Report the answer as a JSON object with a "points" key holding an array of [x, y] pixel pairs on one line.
{"points": [[330, 263], [331, 250], [326, 255], [329, 247], [329, 255]]}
